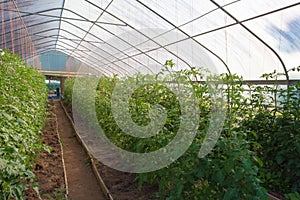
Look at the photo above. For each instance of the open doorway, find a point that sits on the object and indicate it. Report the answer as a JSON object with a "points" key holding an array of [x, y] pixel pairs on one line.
{"points": [[54, 88]]}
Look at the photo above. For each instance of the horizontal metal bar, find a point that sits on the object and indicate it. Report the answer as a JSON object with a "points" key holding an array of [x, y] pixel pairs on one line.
{"points": [[264, 82], [64, 73], [59, 17], [65, 38], [271, 82]]}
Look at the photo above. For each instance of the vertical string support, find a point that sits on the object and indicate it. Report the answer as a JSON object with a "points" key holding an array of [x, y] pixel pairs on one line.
{"points": [[3, 26], [11, 28]]}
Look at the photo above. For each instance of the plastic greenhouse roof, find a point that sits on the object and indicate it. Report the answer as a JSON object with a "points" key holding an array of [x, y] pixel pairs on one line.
{"points": [[247, 37]]}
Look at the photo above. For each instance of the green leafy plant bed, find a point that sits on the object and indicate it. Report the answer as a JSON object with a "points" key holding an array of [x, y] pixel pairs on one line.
{"points": [[23, 97], [257, 149]]}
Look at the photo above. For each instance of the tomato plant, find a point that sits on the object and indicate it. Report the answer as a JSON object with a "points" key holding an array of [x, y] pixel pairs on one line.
{"points": [[23, 96], [275, 130], [258, 149], [228, 172]]}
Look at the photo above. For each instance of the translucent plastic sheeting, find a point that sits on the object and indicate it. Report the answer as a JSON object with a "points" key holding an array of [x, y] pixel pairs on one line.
{"points": [[245, 56], [178, 29], [282, 32], [247, 37], [42, 19], [14, 35]]}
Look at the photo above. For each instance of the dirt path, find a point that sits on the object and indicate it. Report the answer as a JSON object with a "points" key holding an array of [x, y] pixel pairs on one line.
{"points": [[48, 169], [81, 180], [121, 185]]}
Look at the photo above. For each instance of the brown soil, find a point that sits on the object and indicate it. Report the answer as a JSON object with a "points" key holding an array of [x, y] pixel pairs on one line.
{"points": [[82, 183], [49, 169], [121, 185]]}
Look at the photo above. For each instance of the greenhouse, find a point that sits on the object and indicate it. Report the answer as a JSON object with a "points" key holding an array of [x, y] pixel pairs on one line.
{"points": [[136, 99]]}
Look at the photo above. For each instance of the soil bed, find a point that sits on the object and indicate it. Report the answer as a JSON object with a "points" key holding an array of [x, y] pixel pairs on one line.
{"points": [[82, 183], [121, 185], [48, 169]]}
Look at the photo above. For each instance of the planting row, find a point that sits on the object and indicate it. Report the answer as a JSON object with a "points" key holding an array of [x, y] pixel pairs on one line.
{"points": [[23, 96], [257, 149]]}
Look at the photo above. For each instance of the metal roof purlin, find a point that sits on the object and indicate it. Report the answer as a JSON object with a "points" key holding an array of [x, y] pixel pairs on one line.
{"points": [[90, 64], [83, 19], [139, 33], [225, 64], [58, 17], [59, 25], [65, 38], [186, 24], [119, 49], [84, 40], [72, 47], [64, 51], [229, 25], [86, 32], [257, 37]]}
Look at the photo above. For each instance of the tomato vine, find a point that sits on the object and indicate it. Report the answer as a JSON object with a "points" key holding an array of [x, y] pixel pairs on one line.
{"points": [[258, 149], [23, 97]]}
